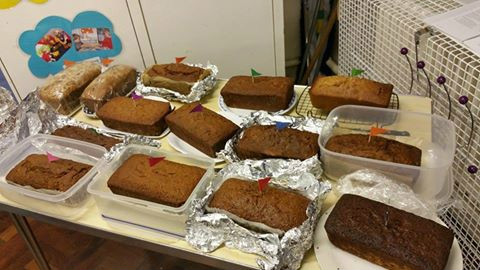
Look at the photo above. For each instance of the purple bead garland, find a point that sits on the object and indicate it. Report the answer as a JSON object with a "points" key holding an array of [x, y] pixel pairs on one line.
{"points": [[472, 169], [404, 51], [442, 80]]}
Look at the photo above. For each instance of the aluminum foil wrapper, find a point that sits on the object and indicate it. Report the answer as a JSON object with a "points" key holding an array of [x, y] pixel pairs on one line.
{"points": [[7, 104], [265, 118], [376, 186], [208, 231], [33, 116], [199, 89]]}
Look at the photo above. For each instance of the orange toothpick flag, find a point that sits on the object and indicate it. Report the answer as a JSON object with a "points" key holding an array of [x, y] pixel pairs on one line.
{"points": [[263, 183], [374, 131], [178, 60], [106, 61], [68, 63]]}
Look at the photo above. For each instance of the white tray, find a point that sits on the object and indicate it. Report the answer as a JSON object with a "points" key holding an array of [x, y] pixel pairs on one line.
{"points": [[185, 148], [66, 204], [137, 213], [332, 257]]}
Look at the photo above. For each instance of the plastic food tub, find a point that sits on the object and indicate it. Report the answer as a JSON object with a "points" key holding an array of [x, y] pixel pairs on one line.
{"points": [[433, 134], [122, 211], [68, 204]]}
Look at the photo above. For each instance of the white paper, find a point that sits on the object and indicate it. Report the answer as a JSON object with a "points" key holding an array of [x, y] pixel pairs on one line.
{"points": [[462, 23], [474, 45]]}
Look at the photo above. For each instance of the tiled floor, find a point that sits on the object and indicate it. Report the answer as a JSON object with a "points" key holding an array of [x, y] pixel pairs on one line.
{"points": [[70, 250]]}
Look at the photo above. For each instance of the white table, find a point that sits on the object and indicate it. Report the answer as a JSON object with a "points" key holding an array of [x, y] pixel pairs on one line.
{"points": [[92, 223]]}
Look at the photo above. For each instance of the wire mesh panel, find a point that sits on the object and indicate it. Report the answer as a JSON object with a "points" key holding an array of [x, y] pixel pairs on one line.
{"points": [[372, 32]]}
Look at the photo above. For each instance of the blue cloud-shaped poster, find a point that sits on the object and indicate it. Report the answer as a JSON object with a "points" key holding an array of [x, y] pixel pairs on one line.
{"points": [[56, 39]]}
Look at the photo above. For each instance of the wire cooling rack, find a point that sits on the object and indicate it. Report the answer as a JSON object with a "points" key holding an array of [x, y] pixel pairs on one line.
{"points": [[305, 108]]}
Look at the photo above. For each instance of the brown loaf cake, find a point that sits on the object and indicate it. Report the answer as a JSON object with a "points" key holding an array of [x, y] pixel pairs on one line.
{"points": [[260, 142], [272, 210], [388, 236], [206, 130], [86, 135], [263, 93], [327, 93], [175, 77], [141, 116], [36, 171], [62, 91], [378, 148], [117, 80], [166, 182]]}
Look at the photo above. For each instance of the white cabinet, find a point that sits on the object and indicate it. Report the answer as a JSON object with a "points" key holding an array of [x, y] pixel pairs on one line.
{"points": [[234, 35]]}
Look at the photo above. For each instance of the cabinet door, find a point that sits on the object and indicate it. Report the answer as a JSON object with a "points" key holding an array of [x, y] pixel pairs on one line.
{"points": [[26, 15], [234, 35]]}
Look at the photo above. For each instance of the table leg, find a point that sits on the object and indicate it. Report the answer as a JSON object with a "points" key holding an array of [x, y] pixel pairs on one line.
{"points": [[23, 228]]}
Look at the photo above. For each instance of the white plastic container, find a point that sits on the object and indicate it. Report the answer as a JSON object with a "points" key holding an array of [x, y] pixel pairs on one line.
{"points": [[135, 213], [433, 134], [68, 204]]}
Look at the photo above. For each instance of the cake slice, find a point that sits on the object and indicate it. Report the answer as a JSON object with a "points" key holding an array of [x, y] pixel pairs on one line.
{"points": [[203, 129], [261, 142], [375, 147], [327, 93], [388, 236], [272, 210], [142, 116], [86, 135], [166, 182], [117, 80], [63, 90], [176, 77], [38, 172], [260, 93]]}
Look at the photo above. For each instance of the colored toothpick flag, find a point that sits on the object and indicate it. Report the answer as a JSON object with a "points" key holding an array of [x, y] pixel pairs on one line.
{"points": [[281, 125], [51, 157], [197, 108], [134, 96], [374, 131], [154, 160], [356, 72], [178, 60], [263, 183], [255, 73], [106, 61], [68, 63]]}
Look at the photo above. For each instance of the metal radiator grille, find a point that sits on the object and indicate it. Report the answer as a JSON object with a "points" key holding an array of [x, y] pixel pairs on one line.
{"points": [[372, 32]]}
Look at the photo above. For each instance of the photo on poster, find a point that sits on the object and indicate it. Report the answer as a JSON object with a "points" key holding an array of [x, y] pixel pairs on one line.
{"points": [[92, 39], [53, 45]]}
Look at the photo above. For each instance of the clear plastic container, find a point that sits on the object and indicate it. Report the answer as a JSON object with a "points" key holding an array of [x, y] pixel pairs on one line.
{"points": [[136, 213], [433, 134], [68, 204]]}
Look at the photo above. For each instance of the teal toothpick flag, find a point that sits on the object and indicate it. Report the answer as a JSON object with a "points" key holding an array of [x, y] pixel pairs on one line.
{"points": [[356, 72], [255, 73]]}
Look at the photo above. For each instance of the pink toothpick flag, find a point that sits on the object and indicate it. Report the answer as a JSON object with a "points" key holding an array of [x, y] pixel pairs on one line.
{"points": [[197, 108], [51, 157], [263, 183], [178, 60], [154, 160], [134, 96]]}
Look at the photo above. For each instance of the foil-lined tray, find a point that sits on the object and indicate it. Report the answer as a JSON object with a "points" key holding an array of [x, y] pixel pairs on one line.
{"points": [[199, 89], [265, 118], [208, 231]]}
